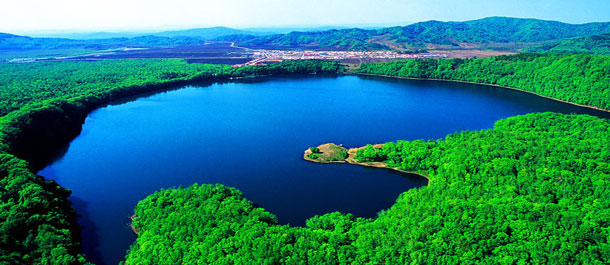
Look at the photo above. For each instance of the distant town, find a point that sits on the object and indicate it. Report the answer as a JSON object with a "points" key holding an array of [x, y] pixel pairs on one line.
{"points": [[271, 56]]}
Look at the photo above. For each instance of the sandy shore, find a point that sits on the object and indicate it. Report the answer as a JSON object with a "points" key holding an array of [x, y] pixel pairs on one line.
{"points": [[133, 229]]}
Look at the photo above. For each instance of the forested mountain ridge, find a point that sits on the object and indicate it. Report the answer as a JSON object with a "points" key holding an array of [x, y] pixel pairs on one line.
{"points": [[486, 30], [532, 190], [100, 40], [492, 29], [595, 44], [10, 42], [417, 35], [336, 38]]}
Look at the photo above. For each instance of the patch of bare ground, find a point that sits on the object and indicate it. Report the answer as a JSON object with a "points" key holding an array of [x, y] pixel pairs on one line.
{"points": [[470, 50], [471, 53], [326, 153], [330, 149], [384, 40]]}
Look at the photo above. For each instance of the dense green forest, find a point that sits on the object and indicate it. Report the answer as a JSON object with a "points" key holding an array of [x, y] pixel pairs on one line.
{"points": [[577, 78], [486, 30], [37, 222], [535, 189], [37, 83], [595, 44], [43, 106], [28, 83]]}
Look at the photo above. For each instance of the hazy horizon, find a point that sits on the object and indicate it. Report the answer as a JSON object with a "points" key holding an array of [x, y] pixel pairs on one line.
{"points": [[74, 16], [255, 28], [187, 27]]}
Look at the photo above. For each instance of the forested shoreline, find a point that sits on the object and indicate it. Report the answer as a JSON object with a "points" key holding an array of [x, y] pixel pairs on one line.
{"points": [[532, 190], [594, 44], [575, 78], [44, 105], [43, 108]]}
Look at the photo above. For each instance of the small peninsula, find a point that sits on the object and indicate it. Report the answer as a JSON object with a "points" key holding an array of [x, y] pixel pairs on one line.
{"points": [[326, 153], [333, 153]]}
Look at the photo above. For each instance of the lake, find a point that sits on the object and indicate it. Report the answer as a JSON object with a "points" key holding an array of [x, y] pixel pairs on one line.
{"points": [[251, 135]]}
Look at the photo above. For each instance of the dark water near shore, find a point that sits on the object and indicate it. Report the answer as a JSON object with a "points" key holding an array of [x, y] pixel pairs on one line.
{"points": [[251, 136]]}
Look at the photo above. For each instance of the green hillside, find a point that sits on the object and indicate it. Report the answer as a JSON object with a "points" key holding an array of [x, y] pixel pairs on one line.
{"points": [[492, 29], [486, 30], [596, 44], [9, 42], [343, 38]]}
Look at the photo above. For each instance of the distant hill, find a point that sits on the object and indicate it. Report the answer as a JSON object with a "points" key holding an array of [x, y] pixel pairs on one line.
{"points": [[202, 33], [284, 30], [343, 38], [492, 29], [88, 35], [486, 30], [16, 42], [208, 33], [596, 44], [9, 42], [491, 33]]}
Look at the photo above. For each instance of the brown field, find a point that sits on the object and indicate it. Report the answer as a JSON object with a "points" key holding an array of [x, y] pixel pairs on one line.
{"points": [[470, 53]]}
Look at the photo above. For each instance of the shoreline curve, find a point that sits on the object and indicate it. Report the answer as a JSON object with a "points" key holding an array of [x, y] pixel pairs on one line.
{"points": [[494, 85]]}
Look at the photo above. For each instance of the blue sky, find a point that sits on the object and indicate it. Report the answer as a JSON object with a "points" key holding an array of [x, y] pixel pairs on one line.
{"points": [[23, 16]]}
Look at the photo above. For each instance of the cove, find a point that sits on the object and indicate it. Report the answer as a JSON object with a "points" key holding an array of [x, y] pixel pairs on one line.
{"points": [[251, 135]]}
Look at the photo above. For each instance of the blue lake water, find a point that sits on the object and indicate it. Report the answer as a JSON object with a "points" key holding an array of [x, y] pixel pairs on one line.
{"points": [[251, 136]]}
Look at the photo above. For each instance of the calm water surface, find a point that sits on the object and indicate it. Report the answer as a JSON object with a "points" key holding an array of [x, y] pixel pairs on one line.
{"points": [[251, 135]]}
